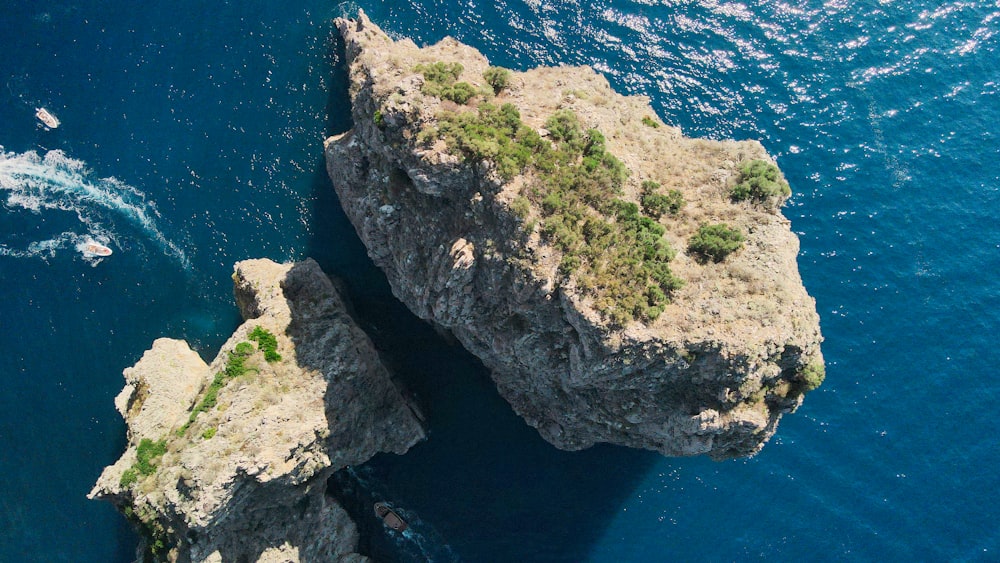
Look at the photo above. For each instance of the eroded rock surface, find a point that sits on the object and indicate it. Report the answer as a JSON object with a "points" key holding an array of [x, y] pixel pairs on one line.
{"points": [[737, 346], [244, 479]]}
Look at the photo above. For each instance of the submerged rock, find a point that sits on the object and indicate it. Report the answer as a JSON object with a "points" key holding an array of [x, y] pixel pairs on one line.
{"points": [[707, 365], [229, 461]]}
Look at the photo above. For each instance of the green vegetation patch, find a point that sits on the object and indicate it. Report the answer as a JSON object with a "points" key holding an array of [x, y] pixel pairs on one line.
{"points": [[615, 253], [129, 477], [656, 204], [440, 72], [236, 366], [762, 182], [157, 539], [208, 434], [649, 122], [267, 342], [148, 454], [813, 375], [521, 207], [491, 133], [440, 80], [715, 242], [497, 77]]}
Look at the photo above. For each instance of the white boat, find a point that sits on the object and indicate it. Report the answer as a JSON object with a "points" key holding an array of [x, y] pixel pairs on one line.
{"points": [[96, 249], [47, 118]]}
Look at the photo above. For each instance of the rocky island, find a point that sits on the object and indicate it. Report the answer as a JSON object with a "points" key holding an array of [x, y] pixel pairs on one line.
{"points": [[229, 461], [623, 283]]}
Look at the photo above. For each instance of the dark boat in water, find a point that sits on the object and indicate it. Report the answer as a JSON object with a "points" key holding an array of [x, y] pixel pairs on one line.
{"points": [[389, 517]]}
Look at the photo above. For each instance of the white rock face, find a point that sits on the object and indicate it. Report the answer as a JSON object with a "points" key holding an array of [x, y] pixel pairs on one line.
{"points": [[711, 375], [244, 480], [161, 388]]}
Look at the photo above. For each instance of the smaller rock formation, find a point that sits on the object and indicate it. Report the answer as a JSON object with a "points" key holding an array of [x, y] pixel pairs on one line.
{"points": [[229, 461]]}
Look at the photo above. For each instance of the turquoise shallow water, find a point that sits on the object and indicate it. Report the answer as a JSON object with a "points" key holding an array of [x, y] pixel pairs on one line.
{"points": [[191, 138]]}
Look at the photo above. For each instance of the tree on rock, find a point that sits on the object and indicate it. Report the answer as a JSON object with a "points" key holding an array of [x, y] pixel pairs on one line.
{"points": [[715, 242]]}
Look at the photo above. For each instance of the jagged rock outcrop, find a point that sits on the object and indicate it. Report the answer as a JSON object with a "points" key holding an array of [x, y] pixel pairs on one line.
{"points": [[737, 346], [243, 479]]}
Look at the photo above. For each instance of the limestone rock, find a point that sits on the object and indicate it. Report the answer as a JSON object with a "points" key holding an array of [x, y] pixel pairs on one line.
{"points": [[244, 478], [161, 388], [711, 375]]}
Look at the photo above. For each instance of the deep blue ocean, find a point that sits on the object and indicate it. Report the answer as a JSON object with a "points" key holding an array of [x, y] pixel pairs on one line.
{"points": [[192, 137]]}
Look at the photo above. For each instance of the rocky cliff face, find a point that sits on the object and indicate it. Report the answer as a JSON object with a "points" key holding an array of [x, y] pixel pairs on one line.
{"points": [[737, 346], [229, 461]]}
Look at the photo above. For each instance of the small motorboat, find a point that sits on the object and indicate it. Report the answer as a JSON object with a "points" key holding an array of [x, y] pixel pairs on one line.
{"points": [[96, 249], [389, 517], [47, 118]]}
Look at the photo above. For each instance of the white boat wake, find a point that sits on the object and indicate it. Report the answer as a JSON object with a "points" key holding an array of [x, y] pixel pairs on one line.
{"points": [[54, 181]]}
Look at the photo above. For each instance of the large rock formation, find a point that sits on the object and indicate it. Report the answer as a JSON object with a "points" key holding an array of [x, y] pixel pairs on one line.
{"points": [[737, 346], [243, 478]]}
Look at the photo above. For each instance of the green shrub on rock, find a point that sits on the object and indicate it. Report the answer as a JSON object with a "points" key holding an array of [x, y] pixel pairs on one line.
{"points": [[656, 204], [498, 78], [521, 207], [459, 92], [493, 133], [440, 80], [761, 181], [813, 375], [596, 144], [564, 127], [129, 478], [147, 455], [715, 242], [440, 72], [569, 264], [267, 342], [236, 366]]}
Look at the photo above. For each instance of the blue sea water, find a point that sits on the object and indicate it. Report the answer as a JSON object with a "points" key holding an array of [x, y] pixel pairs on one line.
{"points": [[191, 138]]}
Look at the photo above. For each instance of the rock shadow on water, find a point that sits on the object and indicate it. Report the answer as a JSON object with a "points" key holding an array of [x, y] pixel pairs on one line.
{"points": [[484, 486], [338, 102]]}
